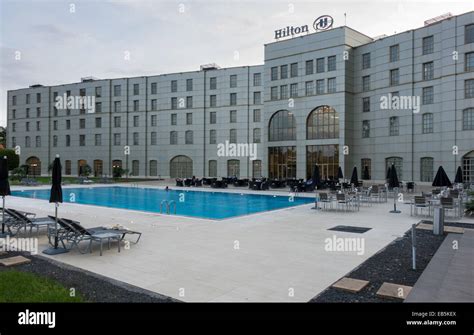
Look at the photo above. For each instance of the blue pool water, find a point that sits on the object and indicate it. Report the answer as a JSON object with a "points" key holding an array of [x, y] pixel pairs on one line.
{"points": [[208, 205]]}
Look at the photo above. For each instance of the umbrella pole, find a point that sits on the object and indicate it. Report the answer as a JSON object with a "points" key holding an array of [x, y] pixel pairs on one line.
{"points": [[56, 226], [3, 215]]}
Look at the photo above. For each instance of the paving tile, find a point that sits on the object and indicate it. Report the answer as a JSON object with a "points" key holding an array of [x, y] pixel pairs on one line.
{"points": [[397, 291], [16, 260], [351, 284]]}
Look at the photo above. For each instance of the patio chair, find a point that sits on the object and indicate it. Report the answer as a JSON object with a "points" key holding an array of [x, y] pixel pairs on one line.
{"points": [[448, 205], [18, 220], [419, 203], [343, 201], [324, 199]]}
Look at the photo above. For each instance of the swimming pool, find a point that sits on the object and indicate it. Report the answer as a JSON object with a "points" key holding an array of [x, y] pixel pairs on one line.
{"points": [[207, 205]]}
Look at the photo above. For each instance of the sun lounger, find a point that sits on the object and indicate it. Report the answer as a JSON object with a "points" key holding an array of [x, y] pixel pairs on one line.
{"points": [[17, 220]]}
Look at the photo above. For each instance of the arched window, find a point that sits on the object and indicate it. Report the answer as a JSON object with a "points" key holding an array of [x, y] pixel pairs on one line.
{"points": [[322, 123], [398, 163], [153, 168], [257, 168], [98, 164], [426, 169], [34, 166], [282, 127], [181, 167]]}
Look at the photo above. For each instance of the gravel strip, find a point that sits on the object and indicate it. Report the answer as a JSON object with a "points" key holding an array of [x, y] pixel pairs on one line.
{"points": [[92, 287], [392, 264]]}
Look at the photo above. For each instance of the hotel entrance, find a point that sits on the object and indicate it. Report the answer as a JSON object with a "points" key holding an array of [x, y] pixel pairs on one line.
{"points": [[327, 159], [282, 162]]}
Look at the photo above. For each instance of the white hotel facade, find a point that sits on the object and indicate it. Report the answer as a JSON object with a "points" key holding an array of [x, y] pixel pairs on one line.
{"points": [[315, 99]]}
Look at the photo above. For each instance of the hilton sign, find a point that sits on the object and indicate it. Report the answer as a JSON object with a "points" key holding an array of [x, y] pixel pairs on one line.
{"points": [[324, 22]]}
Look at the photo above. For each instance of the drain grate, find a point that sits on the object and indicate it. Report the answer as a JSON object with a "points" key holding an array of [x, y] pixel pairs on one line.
{"points": [[351, 229]]}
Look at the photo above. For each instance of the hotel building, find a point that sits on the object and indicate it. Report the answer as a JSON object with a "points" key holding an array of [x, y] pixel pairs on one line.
{"points": [[315, 100]]}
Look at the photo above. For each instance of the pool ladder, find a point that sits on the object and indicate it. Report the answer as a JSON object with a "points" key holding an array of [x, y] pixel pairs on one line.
{"points": [[167, 205]]}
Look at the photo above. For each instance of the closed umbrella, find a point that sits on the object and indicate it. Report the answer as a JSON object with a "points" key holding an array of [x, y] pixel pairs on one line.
{"points": [[56, 197], [4, 188], [394, 184], [339, 173], [316, 176], [365, 174], [441, 179], [388, 173], [354, 177], [458, 178]]}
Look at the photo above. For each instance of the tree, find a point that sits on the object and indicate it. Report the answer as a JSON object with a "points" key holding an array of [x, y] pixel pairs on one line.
{"points": [[12, 157]]}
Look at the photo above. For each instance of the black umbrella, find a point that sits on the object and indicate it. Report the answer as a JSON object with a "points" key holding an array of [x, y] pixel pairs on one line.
{"points": [[441, 179], [458, 178], [4, 187], [388, 173], [56, 197], [316, 176], [394, 184], [365, 173], [339, 173], [355, 177]]}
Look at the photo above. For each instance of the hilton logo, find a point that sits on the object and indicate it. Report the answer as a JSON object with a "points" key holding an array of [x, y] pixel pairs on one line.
{"points": [[323, 22]]}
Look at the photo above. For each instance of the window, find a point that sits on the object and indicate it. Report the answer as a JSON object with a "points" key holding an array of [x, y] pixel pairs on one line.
{"points": [[135, 168], [469, 89], [427, 95], [13, 141], [68, 124], [309, 88], [27, 112], [189, 102], [13, 113], [322, 123], [153, 168], [14, 100], [188, 139], [293, 90], [309, 67], [212, 117], [394, 53], [174, 86], [117, 90], [332, 63], [394, 126], [366, 129], [213, 101], [136, 121], [469, 61], [68, 140], [82, 92], [153, 138], [428, 45], [274, 93], [38, 125], [282, 127], [136, 89], [398, 163], [14, 126], [366, 61], [212, 136], [38, 112], [233, 116], [82, 123], [154, 89], [98, 122], [135, 105], [212, 168], [468, 119], [428, 71], [257, 79], [233, 80], [136, 139], [82, 140], [320, 86], [274, 73], [117, 121], [469, 33], [320, 65], [173, 137], [283, 92], [38, 141], [181, 167], [98, 140], [212, 83], [174, 119], [256, 115], [427, 123], [366, 104], [154, 121], [257, 98], [27, 126], [189, 118], [67, 167], [394, 77], [366, 168], [55, 140], [294, 70], [283, 71], [426, 169], [366, 83], [256, 135], [233, 168], [174, 103], [116, 139], [233, 99], [27, 141], [98, 107], [257, 168], [154, 104], [117, 106], [189, 85], [331, 85], [38, 98]]}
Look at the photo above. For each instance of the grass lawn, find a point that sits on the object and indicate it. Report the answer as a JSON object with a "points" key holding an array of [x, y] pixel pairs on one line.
{"points": [[16, 286]]}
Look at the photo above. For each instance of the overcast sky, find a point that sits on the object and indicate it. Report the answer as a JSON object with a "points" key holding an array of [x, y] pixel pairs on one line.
{"points": [[59, 43]]}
